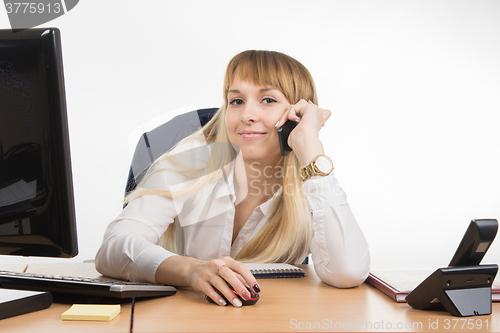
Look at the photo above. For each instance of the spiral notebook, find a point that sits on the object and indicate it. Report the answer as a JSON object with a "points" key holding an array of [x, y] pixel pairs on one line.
{"points": [[275, 270]]}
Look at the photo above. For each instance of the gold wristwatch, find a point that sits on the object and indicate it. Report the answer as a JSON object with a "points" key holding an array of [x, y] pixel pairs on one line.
{"points": [[322, 165]]}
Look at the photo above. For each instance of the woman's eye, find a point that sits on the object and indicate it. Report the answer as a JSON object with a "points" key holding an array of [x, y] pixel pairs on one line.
{"points": [[236, 101], [269, 100]]}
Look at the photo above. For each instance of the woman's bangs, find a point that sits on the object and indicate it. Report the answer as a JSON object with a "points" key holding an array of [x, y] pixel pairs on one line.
{"points": [[273, 70], [256, 72]]}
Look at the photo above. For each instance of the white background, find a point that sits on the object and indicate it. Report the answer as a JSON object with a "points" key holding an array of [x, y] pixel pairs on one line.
{"points": [[414, 87]]}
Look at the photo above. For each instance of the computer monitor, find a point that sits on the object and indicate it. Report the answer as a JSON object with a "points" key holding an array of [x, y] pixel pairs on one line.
{"points": [[37, 214]]}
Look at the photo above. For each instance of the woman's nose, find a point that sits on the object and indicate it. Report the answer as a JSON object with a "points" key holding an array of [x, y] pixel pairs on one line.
{"points": [[249, 114]]}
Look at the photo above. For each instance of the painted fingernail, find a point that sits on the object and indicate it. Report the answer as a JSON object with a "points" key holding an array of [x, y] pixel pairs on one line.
{"points": [[222, 302], [256, 288], [237, 302], [276, 126], [246, 294]]}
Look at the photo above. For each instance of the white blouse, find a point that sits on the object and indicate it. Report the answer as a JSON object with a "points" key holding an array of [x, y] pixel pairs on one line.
{"points": [[204, 230]]}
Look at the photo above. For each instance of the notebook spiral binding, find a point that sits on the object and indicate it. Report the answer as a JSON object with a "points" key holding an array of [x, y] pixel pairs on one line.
{"points": [[277, 273]]}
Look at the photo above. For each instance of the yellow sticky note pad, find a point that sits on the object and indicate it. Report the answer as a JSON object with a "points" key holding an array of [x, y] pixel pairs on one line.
{"points": [[98, 312]]}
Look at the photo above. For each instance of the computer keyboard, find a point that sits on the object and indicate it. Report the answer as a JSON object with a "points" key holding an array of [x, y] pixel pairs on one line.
{"points": [[82, 286]]}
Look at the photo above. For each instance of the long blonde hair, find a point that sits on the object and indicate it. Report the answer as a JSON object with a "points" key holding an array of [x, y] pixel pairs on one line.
{"points": [[287, 235]]}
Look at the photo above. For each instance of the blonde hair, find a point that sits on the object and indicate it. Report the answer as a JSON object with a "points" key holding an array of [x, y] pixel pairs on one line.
{"points": [[287, 235]]}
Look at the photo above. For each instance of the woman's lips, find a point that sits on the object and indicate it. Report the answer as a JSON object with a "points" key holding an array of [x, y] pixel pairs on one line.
{"points": [[250, 135]]}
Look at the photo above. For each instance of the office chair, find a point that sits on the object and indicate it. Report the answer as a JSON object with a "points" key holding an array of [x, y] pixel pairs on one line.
{"points": [[156, 142]]}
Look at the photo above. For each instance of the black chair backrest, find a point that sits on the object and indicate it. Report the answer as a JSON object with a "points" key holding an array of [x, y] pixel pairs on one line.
{"points": [[158, 141]]}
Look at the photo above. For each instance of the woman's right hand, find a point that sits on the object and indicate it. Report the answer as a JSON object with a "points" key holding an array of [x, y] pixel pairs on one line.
{"points": [[215, 273], [203, 276]]}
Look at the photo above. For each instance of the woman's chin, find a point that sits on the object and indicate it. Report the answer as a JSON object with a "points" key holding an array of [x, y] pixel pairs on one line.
{"points": [[251, 156]]}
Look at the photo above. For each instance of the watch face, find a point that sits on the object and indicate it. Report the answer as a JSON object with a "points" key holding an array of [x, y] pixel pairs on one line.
{"points": [[324, 164]]}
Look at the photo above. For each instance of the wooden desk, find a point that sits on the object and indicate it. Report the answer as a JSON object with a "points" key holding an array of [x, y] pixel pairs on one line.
{"points": [[286, 305]]}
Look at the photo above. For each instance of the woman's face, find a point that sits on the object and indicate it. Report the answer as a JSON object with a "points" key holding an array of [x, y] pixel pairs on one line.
{"points": [[251, 116]]}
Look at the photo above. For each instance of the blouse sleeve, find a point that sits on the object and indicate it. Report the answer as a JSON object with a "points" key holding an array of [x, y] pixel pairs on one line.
{"points": [[339, 249], [129, 249]]}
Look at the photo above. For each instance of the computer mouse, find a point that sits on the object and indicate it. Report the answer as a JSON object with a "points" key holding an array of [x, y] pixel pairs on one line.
{"points": [[254, 296]]}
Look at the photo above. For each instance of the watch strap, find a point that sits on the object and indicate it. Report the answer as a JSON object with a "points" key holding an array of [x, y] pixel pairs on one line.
{"points": [[308, 171]]}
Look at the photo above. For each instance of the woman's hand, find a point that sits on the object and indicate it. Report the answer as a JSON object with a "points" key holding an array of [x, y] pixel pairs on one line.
{"points": [[215, 273], [304, 139], [203, 276]]}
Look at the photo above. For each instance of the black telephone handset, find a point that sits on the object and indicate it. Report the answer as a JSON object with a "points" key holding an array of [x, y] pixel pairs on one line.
{"points": [[283, 133], [476, 241]]}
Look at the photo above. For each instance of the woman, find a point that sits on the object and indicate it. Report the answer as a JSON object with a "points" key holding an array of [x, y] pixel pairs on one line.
{"points": [[244, 202]]}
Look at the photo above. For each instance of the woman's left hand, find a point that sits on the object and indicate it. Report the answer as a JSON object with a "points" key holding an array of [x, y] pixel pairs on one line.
{"points": [[304, 139]]}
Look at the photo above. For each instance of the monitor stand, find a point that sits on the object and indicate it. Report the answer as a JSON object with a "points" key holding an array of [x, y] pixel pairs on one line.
{"points": [[18, 302]]}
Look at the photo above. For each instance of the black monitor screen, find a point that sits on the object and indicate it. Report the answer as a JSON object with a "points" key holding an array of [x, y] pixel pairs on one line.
{"points": [[37, 215]]}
